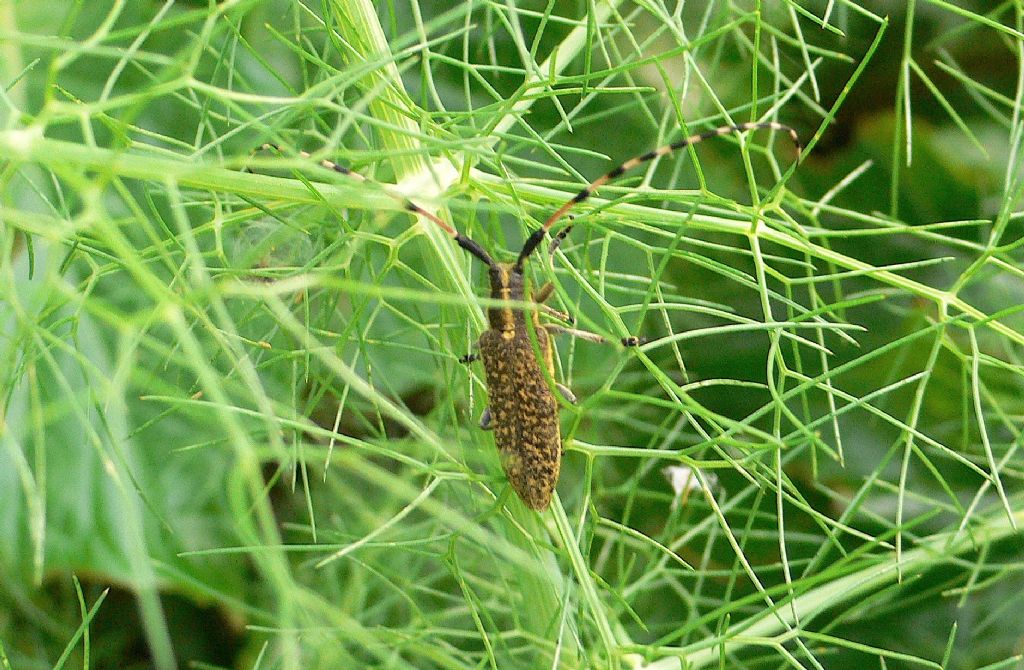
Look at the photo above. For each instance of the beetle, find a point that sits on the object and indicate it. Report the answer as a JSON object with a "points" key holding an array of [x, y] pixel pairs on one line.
{"points": [[516, 349]]}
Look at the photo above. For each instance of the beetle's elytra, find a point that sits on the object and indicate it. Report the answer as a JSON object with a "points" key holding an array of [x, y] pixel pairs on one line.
{"points": [[523, 410]]}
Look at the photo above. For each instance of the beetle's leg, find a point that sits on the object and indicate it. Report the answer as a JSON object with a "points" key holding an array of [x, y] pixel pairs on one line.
{"points": [[473, 355], [541, 295], [576, 332], [561, 316], [485, 419], [569, 396], [562, 234], [631, 341]]}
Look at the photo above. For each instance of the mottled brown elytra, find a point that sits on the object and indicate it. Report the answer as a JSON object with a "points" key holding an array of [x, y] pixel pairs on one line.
{"points": [[516, 350]]}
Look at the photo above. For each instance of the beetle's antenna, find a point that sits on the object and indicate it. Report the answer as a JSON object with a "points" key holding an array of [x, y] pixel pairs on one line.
{"points": [[534, 240], [466, 243]]}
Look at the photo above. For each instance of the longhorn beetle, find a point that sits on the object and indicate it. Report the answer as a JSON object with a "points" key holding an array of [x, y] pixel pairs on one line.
{"points": [[523, 411]]}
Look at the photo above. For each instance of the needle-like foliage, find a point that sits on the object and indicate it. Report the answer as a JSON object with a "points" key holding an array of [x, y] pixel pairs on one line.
{"points": [[231, 388]]}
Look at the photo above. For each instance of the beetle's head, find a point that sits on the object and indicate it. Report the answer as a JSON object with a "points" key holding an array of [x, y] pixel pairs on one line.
{"points": [[507, 276]]}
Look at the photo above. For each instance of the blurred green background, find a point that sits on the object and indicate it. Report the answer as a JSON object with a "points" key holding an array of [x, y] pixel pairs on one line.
{"points": [[234, 431]]}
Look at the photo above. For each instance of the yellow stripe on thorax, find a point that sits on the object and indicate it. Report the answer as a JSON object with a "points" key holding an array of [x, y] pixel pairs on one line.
{"points": [[507, 319]]}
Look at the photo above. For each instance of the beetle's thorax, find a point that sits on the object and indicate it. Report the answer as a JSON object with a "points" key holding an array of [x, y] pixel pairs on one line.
{"points": [[506, 284]]}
